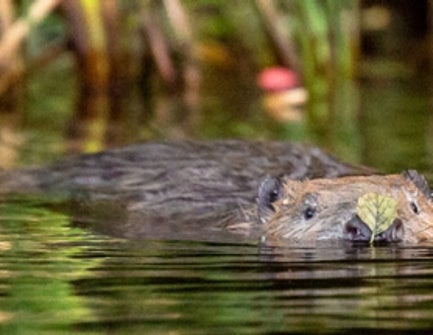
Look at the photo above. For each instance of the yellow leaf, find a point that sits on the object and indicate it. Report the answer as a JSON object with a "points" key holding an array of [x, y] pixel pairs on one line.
{"points": [[377, 211]]}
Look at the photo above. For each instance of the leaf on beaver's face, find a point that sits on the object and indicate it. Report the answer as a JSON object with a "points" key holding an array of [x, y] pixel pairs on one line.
{"points": [[377, 211]]}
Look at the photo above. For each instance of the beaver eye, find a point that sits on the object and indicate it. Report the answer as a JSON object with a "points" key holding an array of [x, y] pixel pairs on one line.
{"points": [[309, 213], [414, 207], [274, 196]]}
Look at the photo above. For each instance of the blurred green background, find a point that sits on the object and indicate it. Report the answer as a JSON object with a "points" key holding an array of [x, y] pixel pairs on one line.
{"points": [[84, 75]]}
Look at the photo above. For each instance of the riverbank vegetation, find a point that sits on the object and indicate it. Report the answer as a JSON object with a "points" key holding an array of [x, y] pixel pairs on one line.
{"points": [[103, 73]]}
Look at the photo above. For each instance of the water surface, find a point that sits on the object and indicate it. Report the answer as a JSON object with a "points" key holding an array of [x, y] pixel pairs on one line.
{"points": [[56, 278], [60, 278]]}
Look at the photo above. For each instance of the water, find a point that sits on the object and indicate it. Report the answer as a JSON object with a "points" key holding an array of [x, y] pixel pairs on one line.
{"points": [[56, 278], [60, 278]]}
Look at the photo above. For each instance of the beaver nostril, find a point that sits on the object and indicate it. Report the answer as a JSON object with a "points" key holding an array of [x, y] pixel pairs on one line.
{"points": [[394, 233], [352, 231], [356, 230]]}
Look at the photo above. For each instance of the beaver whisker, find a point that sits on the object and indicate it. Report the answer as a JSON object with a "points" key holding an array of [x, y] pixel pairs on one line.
{"points": [[424, 230], [299, 230]]}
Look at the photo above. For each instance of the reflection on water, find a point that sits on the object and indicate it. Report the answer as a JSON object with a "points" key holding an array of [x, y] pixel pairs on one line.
{"points": [[56, 278], [37, 264]]}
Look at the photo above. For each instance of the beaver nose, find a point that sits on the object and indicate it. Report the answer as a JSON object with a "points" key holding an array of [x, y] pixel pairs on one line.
{"points": [[357, 231], [394, 233]]}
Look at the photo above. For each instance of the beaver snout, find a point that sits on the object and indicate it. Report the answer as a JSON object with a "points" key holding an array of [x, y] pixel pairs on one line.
{"points": [[356, 230]]}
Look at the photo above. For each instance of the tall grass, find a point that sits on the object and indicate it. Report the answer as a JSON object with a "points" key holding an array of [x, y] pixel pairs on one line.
{"points": [[170, 43]]}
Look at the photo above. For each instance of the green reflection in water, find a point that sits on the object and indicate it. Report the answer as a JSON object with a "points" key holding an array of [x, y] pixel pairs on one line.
{"points": [[197, 288], [38, 263]]}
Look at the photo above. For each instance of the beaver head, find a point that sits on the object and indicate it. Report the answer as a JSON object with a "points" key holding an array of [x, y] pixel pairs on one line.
{"points": [[326, 209]]}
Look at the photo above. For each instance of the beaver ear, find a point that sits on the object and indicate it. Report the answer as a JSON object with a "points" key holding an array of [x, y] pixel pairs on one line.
{"points": [[270, 190], [419, 181]]}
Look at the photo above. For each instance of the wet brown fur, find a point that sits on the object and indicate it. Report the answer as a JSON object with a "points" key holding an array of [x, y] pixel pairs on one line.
{"points": [[183, 186], [334, 203]]}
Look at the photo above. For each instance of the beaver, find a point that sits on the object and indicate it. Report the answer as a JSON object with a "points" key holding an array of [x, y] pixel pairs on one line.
{"points": [[178, 187], [326, 209], [182, 177]]}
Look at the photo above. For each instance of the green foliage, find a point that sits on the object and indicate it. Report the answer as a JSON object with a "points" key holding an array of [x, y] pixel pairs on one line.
{"points": [[231, 43]]}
